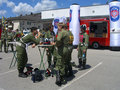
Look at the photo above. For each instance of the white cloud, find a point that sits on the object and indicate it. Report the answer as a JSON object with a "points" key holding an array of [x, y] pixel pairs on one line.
{"points": [[96, 3], [45, 5], [24, 8], [38, 7], [2, 12], [2, 1], [10, 4], [48, 4]]}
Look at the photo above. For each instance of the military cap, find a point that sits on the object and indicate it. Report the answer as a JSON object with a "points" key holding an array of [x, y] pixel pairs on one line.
{"points": [[61, 24]]}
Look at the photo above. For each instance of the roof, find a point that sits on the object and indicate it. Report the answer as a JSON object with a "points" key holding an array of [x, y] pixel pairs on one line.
{"points": [[31, 17]]}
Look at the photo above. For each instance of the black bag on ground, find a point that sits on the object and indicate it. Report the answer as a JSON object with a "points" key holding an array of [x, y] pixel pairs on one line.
{"points": [[36, 75]]}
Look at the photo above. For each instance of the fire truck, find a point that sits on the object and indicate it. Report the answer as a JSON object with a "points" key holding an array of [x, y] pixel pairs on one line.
{"points": [[98, 31]]}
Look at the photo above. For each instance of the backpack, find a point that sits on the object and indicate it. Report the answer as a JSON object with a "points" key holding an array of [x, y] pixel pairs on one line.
{"points": [[36, 75]]}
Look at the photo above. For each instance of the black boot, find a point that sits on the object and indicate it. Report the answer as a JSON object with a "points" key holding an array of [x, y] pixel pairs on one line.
{"points": [[80, 63], [63, 81], [70, 71], [21, 73], [49, 64], [54, 64], [66, 71], [84, 64], [58, 78]]}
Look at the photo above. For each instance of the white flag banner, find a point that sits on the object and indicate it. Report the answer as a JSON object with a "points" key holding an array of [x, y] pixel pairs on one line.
{"points": [[54, 23], [58, 20], [75, 22], [114, 23]]}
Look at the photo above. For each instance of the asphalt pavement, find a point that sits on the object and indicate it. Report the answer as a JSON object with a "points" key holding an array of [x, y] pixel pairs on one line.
{"points": [[102, 73]]}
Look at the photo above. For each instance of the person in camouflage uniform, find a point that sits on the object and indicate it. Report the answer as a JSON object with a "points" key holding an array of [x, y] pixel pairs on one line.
{"points": [[51, 50], [82, 48], [43, 32], [2, 41], [68, 66], [62, 46], [21, 49], [18, 35], [9, 39]]}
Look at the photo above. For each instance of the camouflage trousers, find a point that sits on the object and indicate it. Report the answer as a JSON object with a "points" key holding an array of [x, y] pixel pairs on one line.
{"points": [[51, 52], [22, 57], [61, 60], [2, 43], [68, 59], [7, 46], [80, 54]]}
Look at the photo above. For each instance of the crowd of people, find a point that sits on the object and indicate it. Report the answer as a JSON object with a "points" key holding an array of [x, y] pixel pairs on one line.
{"points": [[9, 36], [61, 49]]}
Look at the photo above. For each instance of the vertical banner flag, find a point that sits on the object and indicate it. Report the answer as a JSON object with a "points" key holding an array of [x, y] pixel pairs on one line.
{"points": [[75, 22], [114, 23], [3, 23], [56, 21], [2, 26]]}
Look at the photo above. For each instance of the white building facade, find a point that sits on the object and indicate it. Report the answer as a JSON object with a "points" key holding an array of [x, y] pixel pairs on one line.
{"points": [[89, 11], [44, 18], [26, 24]]}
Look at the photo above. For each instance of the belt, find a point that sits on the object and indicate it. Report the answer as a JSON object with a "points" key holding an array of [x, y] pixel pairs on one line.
{"points": [[83, 44]]}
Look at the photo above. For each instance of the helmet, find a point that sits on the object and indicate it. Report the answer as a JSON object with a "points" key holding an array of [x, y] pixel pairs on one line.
{"points": [[83, 27]]}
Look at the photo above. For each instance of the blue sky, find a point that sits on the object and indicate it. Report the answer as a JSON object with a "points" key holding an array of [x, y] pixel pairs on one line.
{"points": [[12, 8]]}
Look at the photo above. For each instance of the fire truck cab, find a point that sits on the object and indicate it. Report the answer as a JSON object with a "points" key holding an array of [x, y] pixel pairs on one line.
{"points": [[98, 31]]}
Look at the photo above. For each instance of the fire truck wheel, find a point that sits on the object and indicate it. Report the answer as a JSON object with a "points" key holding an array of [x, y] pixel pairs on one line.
{"points": [[95, 45]]}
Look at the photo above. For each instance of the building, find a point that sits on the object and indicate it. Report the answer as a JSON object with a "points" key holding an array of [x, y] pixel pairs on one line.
{"points": [[44, 18], [95, 11], [25, 22]]}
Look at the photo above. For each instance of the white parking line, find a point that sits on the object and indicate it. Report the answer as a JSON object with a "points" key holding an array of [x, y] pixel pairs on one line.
{"points": [[80, 76], [8, 72], [14, 70]]}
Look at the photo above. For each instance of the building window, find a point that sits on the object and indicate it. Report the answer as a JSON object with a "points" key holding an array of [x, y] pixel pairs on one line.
{"points": [[29, 23], [39, 27], [23, 23]]}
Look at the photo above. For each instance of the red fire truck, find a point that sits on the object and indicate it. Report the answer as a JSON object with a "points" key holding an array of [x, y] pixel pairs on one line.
{"points": [[98, 31]]}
